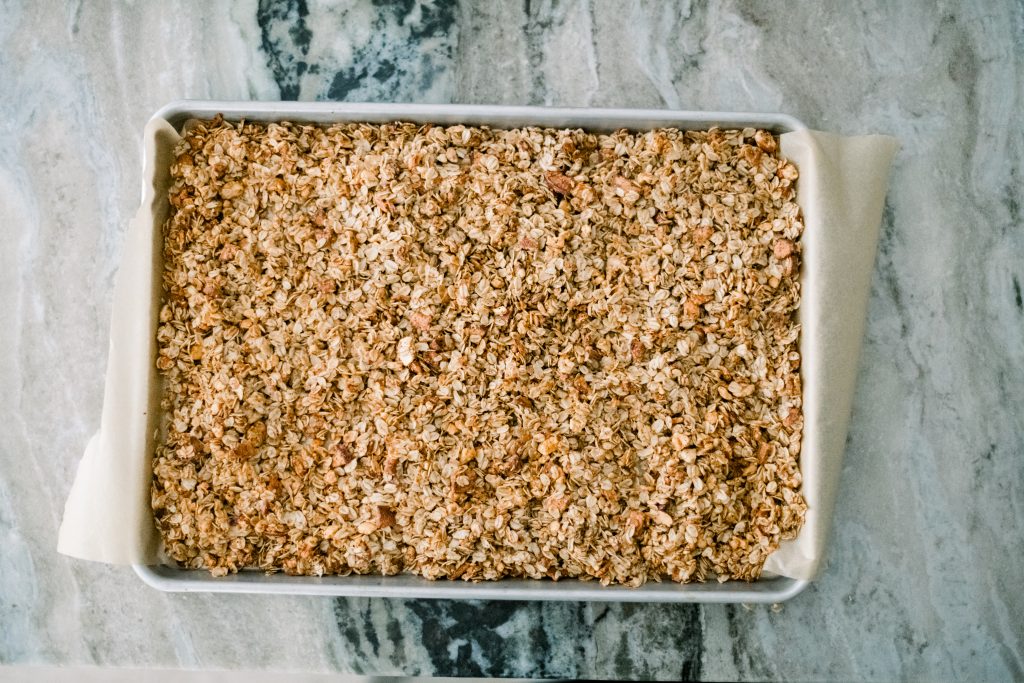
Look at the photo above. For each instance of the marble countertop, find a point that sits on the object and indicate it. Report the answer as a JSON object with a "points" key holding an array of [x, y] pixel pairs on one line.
{"points": [[924, 578]]}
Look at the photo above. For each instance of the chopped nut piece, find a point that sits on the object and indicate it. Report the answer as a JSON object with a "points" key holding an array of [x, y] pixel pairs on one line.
{"points": [[786, 171], [702, 234], [637, 350], [257, 434], [549, 445], [766, 141], [783, 248], [752, 155], [625, 184], [342, 456], [232, 190], [741, 390], [385, 517], [420, 320], [558, 182], [244, 450], [405, 352]]}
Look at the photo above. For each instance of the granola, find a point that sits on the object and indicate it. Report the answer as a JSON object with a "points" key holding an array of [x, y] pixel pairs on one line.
{"points": [[473, 353]]}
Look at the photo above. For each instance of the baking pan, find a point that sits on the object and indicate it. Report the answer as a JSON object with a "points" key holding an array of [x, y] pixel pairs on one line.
{"points": [[167, 577]]}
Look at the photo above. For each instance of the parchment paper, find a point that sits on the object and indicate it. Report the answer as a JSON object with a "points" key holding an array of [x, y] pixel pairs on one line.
{"points": [[841, 190], [107, 516]]}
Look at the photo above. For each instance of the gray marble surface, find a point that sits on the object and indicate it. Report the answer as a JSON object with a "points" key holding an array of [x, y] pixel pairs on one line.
{"points": [[925, 575]]}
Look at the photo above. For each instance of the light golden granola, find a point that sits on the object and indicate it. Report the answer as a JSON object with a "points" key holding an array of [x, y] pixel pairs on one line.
{"points": [[473, 353]]}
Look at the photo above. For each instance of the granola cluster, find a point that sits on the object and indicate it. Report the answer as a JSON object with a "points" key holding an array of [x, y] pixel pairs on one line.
{"points": [[473, 353]]}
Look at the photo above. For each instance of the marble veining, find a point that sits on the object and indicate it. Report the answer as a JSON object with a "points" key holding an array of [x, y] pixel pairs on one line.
{"points": [[924, 575], [378, 51]]}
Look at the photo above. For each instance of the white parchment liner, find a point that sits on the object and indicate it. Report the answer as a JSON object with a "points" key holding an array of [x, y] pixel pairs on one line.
{"points": [[841, 192]]}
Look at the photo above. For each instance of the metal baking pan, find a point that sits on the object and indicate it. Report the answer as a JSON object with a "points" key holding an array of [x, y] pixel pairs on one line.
{"points": [[167, 577]]}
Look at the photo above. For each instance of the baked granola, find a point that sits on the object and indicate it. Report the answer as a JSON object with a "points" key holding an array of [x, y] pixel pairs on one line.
{"points": [[474, 353]]}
